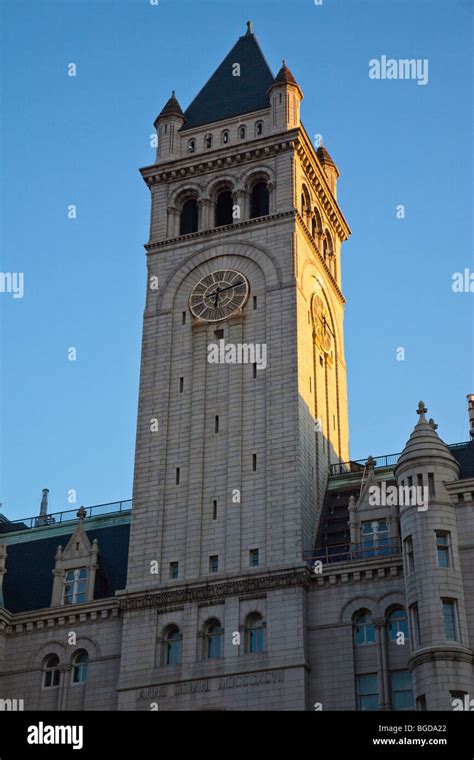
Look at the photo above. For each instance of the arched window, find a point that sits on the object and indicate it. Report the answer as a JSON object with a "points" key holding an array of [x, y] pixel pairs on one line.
{"points": [[397, 623], [213, 638], [192, 146], [51, 671], [364, 629], [259, 200], [224, 208], [255, 633], [313, 227], [225, 137], [172, 641], [80, 662], [188, 220], [208, 140], [259, 129], [305, 204], [242, 132], [318, 221]]}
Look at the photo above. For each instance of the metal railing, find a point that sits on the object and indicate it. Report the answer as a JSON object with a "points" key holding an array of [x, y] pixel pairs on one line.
{"points": [[66, 515], [386, 460], [352, 552]]}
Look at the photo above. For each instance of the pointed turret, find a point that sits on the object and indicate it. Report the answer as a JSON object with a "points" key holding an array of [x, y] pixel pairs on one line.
{"points": [[329, 167], [285, 97], [167, 124]]}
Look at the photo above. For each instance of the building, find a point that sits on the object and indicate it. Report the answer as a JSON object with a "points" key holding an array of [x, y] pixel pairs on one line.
{"points": [[260, 568]]}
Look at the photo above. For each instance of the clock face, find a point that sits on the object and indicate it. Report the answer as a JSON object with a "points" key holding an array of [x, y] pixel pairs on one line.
{"points": [[219, 295], [322, 328]]}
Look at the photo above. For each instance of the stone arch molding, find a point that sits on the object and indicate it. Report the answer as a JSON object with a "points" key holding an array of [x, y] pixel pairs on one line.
{"points": [[263, 259], [260, 171], [184, 189], [377, 606], [51, 647]]}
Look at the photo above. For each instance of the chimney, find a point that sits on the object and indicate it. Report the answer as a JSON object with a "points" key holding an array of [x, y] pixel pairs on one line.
{"points": [[44, 502], [470, 410]]}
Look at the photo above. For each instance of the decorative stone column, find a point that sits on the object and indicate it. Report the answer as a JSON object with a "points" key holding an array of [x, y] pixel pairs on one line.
{"points": [[173, 222]]}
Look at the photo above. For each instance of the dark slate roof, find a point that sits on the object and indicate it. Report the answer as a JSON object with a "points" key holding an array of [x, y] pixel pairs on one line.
{"points": [[225, 95], [465, 456], [28, 582]]}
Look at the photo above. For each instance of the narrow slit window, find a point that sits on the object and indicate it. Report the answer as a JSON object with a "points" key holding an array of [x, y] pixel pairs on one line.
{"points": [[177, 476], [216, 423], [419, 478], [431, 485], [254, 462], [181, 384], [183, 318], [214, 509], [254, 302], [254, 371]]}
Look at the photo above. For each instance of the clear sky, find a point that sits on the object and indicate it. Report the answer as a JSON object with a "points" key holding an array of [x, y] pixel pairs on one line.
{"points": [[64, 140]]}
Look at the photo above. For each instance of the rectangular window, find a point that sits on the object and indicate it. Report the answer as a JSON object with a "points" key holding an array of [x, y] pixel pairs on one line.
{"points": [[410, 557], [402, 690], [459, 695], [415, 624], [75, 583], [219, 334], [367, 692], [420, 480], [375, 538], [214, 509], [177, 476], [421, 703], [443, 548], [254, 558], [174, 569], [410, 481], [213, 563], [450, 619], [181, 384], [254, 302], [216, 424], [254, 371], [254, 462], [431, 485], [183, 318]]}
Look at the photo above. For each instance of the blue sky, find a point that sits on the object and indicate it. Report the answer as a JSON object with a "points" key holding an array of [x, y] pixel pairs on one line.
{"points": [[71, 425]]}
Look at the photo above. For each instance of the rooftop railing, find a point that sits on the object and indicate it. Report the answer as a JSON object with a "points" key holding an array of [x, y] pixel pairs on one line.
{"points": [[352, 552], [71, 514], [386, 460]]}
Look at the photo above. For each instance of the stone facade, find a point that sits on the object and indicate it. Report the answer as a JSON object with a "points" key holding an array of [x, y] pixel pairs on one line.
{"points": [[240, 474]]}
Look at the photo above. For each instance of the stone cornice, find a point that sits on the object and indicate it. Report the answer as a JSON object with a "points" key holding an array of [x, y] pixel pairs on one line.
{"points": [[154, 245], [215, 591], [54, 617], [359, 571], [221, 158], [441, 652]]}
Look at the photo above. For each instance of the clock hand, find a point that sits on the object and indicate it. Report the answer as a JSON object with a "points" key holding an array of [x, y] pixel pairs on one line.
{"points": [[230, 286]]}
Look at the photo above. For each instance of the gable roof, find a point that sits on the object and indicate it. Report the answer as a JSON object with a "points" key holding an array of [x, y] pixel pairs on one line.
{"points": [[225, 95]]}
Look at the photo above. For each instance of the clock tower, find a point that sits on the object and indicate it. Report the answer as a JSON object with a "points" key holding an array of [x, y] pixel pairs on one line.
{"points": [[233, 453]]}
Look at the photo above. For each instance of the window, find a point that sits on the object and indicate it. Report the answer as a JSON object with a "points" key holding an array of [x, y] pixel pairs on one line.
{"points": [[259, 200], [213, 637], [254, 557], [174, 569], [224, 208], [254, 634], [254, 302], [375, 538], [192, 146], [183, 318], [450, 619], [402, 690], [208, 141], [364, 631], [177, 476], [410, 557], [80, 664], [421, 703], [259, 128], [242, 133], [225, 137], [443, 548], [172, 640], [397, 623], [431, 485], [461, 695], [214, 509], [181, 384], [254, 462], [51, 671], [188, 220], [219, 334], [216, 423], [213, 563], [367, 692], [415, 624], [75, 586]]}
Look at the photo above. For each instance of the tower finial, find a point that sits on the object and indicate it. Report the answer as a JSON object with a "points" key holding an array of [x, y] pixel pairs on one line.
{"points": [[173, 93], [249, 27], [283, 62], [421, 411]]}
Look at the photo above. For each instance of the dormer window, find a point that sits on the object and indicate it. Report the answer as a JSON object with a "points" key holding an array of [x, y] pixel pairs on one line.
{"points": [[242, 131], [208, 142], [75, 582], [259, 128], [192, 146], [225, 137]]}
